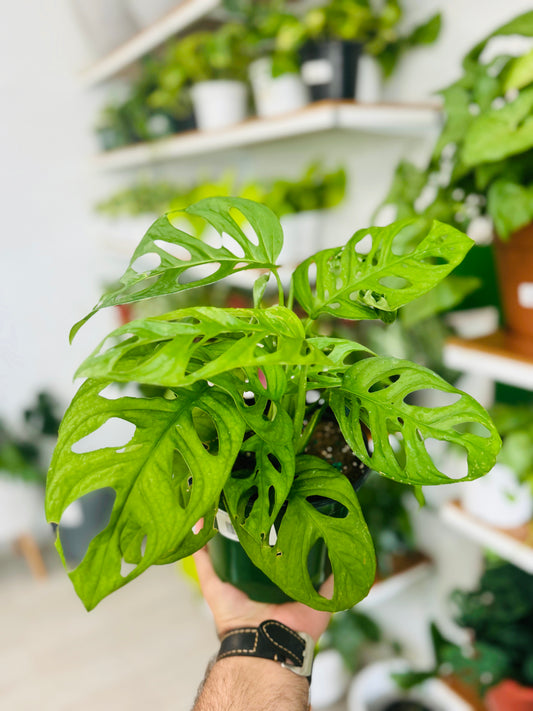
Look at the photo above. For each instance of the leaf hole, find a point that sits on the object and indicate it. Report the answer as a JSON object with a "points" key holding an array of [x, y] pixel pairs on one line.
{"points": [[328, 507], [244, 225], [198, 273], [82, 521], [271, 499], [146, 263], [435, 261], [431, 397], [115, 432], [174, 250], [395, 282], [206, 430], [454, 467], [231, 244], [275, 462], [248, 500], [311, 273], [126, 568], [364, 245]]}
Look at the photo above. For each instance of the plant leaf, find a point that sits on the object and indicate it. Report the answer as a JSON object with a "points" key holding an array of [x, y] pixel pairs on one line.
{"points": [[198, 343], [498, 133], [352, 285], [173, 274], [510, 205], [349, 545], [373, 395], [150, 476]]}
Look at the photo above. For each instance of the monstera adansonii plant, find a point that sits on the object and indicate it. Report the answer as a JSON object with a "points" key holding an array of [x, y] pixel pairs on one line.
{"points": [[236, 380]]}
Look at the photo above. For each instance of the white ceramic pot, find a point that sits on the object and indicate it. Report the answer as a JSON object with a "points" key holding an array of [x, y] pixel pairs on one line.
{"points": [[219, 103], [369, 83], [374, 687], [498, 498], [274, 96], [146, 12], [330, 679], [301, 236], [106, 23], [21, 507]]}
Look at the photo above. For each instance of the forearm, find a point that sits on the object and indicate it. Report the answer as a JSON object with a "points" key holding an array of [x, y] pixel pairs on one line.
{"points": [[241, 684]]}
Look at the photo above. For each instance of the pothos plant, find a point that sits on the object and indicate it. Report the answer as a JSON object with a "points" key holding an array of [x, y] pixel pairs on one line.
{"points": [[237, 381]]}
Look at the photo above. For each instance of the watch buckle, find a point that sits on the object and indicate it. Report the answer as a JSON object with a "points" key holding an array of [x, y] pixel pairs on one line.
{"points": [[307, 666]]}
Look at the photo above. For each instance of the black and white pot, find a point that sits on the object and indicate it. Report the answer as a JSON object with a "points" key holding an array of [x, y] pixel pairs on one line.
{"points": [[274, 96], [329, 68], [219, 103]]}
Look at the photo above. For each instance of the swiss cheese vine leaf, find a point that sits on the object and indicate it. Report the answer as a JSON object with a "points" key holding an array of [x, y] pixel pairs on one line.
{"points": [[198, 343], [376, 398], [353, 285], [175, 273], [349, 546], [165, 479]]}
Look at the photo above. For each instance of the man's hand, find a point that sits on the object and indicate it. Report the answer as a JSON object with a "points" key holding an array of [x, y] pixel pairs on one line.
{"points": [[232, 608]]}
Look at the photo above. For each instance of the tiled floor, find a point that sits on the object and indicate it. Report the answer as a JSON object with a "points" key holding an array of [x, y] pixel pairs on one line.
{"points": [[145, 647]]}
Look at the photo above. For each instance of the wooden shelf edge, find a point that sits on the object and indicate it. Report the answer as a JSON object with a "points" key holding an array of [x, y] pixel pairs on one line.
{"points": [[393, 119], [508, 544], [490, 356], [183, 16]]}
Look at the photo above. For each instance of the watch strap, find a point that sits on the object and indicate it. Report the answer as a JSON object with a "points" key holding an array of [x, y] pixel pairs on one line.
{"points": [[271, 640]]}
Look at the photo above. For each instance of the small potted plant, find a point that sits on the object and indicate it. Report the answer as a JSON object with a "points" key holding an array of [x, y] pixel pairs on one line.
{"points": [[497, 663], [256, 406], [214, 65], [480, 176], [341, 32]]}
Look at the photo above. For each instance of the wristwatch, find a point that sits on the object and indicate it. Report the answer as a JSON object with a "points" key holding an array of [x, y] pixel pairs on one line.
{"points": [[271, 640]]}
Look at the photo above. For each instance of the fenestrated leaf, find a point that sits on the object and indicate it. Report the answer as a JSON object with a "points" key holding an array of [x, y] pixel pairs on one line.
{"points": [[269, 451], [348, 541], [173, 274], [188, 345], [353, 285], [164, 478], [341, 354], [374, 394]]}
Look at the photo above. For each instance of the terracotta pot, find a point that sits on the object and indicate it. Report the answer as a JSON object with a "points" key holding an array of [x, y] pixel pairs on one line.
{"points": [[514, 261], [510, 696]]}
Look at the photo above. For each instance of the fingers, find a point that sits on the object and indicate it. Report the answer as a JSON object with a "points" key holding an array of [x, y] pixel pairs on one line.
{"points": [[204, 567], [327, 587]]}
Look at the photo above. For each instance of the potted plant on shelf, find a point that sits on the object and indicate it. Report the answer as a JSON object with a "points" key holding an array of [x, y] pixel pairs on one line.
{"points": [[480, 176], [340, 33], [255, 400], [498, 662], [214, 65]]}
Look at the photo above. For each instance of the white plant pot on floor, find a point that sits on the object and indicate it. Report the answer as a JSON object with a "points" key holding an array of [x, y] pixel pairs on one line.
{"points": [[330, 679], [498, 498], [301, 236], [373, 688], [274, 96], [219, 103], [21, 507]]}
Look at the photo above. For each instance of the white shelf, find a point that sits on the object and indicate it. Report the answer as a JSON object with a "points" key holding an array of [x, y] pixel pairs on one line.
{"points": [[185, 15], [490, 356], [390, 587], [384, 119], [510, 545]]}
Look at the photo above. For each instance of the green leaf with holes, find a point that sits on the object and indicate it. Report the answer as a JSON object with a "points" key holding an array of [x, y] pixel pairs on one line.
{"points": [[353, 285], [193, 344], [269, 450], [185, 262], [376, 397], [348, 542], [168, 476]]}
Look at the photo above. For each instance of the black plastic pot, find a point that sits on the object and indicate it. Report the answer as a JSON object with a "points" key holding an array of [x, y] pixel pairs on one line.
{"points": [[329, 68], [232, 564]]}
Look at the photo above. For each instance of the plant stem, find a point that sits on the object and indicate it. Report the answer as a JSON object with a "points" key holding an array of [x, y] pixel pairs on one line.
{"points": [[281, 295], [290, 299], [300, 405]]}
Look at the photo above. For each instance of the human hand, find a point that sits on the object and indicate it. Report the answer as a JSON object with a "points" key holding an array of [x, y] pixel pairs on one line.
{"points": [[232, 608]]}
